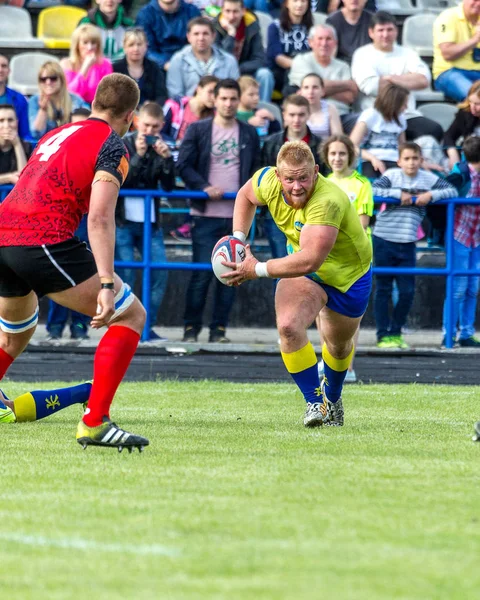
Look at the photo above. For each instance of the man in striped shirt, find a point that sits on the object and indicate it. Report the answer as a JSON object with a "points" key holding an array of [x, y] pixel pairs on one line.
{"points": [[395, 235], [465, 176]]}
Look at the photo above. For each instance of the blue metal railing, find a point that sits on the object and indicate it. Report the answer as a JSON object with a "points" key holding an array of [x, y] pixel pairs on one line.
{"points": [[146, 265]]}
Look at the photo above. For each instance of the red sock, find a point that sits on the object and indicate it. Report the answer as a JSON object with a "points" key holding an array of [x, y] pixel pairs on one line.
{"points": [[5, 361], [114, 353]]}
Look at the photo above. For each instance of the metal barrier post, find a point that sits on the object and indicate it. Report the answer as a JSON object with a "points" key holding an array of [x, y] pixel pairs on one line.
{"points": [[450, 326], [147, 268]]}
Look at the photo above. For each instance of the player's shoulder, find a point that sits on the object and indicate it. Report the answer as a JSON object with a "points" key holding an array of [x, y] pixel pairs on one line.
{"points": [[264, 178]]}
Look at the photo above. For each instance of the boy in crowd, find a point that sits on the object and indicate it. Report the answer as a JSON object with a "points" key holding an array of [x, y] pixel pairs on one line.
{"points": [[395, 234], [465, 176], [14, 151], [151, 167], [261, 118], [110, 18]]}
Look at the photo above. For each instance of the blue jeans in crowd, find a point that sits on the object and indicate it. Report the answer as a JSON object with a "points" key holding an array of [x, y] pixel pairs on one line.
{"points": [[58, 315], [130, 237], [455, 83], [266, 81], [465, 290], [275, 237], [206, 231], [393, 254]]}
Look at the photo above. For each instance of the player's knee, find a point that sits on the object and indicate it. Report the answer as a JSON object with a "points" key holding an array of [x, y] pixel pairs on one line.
{"points": [[287, 328], [17, 327]]}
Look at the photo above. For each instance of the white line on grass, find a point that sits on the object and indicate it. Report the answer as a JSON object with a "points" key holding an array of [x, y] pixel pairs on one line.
{"points": [[81, 544]]}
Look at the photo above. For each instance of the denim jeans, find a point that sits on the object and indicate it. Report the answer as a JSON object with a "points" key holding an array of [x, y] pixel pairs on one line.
{"points": [[130, 237], [276, 238], [465, 290], [393, 254], [206, 231], [455, 83], [58, 315], [266, 81]]}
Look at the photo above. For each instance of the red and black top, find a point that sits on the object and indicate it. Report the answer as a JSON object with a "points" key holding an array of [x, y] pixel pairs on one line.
{"points": [[53, 191]]}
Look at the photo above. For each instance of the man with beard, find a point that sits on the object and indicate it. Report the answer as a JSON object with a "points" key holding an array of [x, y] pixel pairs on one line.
{"points": [[327, 271]]}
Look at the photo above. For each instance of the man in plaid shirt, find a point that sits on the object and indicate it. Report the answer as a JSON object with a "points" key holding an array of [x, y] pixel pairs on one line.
{"points": [[465, 176]]}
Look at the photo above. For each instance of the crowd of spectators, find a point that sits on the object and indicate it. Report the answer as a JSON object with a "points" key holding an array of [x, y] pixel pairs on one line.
{"points": [[206, 119]]}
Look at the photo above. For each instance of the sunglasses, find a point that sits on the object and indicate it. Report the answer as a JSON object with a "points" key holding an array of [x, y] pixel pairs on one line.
{"points": [[51, 78]]}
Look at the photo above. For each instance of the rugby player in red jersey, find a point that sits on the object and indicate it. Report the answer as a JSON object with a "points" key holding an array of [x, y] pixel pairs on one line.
{"points": [[75, 169]]}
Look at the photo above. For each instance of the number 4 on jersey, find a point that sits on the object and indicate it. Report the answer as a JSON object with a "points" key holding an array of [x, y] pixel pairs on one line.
{"points": [[50, 147]]}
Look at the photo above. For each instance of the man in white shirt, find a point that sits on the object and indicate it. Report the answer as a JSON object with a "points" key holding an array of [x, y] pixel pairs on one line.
{"points": [[340, 90], [384, 61]]}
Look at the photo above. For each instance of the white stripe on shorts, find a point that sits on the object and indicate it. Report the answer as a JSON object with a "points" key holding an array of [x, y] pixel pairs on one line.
{"points": [[58, 267]]}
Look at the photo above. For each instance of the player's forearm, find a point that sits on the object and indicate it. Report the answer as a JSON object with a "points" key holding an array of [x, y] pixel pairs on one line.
{"points": [[295, 265], [101, 235], [244, 210]]}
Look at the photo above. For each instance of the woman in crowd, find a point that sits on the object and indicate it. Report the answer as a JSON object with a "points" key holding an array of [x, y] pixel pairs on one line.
{"points": [[380, 129], [179, 112], [148, 75], [466, 122], [287, 37], [86, 65], [54, 105], [338, 153], [324, 118]]}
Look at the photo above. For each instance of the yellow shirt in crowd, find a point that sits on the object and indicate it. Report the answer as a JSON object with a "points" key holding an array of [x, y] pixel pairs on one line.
{"points": [[351, 254], [452, 26], [359, 191]]}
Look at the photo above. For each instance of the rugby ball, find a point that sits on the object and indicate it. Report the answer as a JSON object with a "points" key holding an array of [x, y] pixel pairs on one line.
{"points": [[229, 249]]}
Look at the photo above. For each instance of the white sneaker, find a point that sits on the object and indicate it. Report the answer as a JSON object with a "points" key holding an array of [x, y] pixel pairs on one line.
{"points": [[316, 414], [351, 377]]}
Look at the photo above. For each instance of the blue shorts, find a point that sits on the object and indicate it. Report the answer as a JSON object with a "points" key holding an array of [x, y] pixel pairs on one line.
{"points": [[352, 303]]}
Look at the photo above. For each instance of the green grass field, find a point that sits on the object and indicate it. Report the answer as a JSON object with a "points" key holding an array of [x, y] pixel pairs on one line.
{"points": [[234, 499]]}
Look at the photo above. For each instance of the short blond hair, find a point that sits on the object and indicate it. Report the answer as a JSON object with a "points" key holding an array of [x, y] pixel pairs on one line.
{"points": [[295, 153], [92, 34], [247, 81]]}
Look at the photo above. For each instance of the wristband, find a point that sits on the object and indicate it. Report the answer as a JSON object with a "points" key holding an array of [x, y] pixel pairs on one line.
{"points": [[261, 269], [107, 286], [240, 236]]}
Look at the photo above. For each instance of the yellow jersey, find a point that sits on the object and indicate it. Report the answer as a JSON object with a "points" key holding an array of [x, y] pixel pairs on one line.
{"points": [[359, 191], [351, 254], [451, 25]]}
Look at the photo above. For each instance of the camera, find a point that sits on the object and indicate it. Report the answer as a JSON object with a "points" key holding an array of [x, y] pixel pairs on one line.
{"points": [[476, 55], [151, 139]]}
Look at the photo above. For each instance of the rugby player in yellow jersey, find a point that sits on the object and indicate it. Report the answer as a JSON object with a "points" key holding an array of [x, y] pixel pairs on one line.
{"points": [[328, 269], [338, 153]]}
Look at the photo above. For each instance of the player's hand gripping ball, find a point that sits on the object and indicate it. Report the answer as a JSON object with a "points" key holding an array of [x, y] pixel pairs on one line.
{"points": [[227, 249]]}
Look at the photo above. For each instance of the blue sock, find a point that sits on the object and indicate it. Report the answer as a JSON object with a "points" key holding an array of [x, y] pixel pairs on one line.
{"points": [[2, 405], [302, 366], [335, 370], [39, 404]]}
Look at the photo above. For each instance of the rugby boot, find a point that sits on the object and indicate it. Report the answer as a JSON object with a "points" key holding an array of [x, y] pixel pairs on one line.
{"points": [[335, 410], [109, 435], [316, 414], [6, 414]]}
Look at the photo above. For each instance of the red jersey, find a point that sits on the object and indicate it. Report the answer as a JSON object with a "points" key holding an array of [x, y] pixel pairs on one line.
{"points": [[53, 191]]}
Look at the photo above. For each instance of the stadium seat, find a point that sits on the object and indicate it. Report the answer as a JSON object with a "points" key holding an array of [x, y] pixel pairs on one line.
{"points": [[264, 20], [56, 25], [274, 109], [435, 6], [428, 95], [418, 33], [16, 29], [397, 7], [440, 112], [24, 70], [319, 18]]}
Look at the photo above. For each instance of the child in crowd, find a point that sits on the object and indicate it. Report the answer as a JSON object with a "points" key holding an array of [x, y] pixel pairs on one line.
{"points": [[248, 110], [379, 130], [324, 119], [338, 153], [465, 176], [395, 234], [14, 151]]}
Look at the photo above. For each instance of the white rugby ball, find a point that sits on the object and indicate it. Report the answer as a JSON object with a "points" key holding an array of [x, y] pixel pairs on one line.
{"points": [[229, 249]]}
